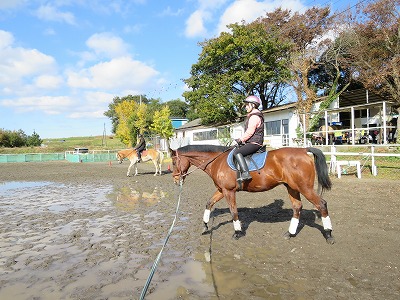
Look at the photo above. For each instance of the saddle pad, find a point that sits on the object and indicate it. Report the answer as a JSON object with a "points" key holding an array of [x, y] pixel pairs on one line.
{"points": [[259, 159]]}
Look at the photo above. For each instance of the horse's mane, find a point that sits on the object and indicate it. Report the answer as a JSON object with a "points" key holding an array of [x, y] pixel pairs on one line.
{"points": [[202, 148]]}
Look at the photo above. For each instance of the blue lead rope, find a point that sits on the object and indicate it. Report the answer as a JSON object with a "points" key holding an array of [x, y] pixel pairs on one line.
{"points": [[154, 267]]}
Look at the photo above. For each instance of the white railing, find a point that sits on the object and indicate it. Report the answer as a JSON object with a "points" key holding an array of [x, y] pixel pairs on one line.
{"points": [[365, 155]]}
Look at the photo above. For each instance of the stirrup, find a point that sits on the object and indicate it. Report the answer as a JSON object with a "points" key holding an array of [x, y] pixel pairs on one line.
{"points": [[244, 178]]}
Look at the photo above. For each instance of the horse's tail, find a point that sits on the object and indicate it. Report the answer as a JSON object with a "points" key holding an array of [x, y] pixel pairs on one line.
{"points": [[321, 167]]}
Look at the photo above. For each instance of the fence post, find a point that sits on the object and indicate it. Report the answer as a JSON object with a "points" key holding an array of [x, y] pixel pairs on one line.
{"points": [[374, 168], [333, 159]]}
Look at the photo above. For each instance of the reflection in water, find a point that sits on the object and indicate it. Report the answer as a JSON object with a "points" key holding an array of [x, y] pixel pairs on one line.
{"points": [[14, 185], [127, 199]]}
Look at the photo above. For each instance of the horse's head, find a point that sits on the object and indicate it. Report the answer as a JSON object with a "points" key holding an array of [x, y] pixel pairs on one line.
{"points": [[180, 166], [120, 157]]}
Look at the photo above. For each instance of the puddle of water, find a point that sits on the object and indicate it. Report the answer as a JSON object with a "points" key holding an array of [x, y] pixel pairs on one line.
{"points": [[14, 185], [192, 282]]}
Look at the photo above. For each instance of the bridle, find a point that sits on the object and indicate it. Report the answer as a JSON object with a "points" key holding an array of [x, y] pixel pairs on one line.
{"points": [[121, 157], [202, 166]]}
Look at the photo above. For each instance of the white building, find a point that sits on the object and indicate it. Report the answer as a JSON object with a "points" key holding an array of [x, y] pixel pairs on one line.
{"points": [[353, 111]]}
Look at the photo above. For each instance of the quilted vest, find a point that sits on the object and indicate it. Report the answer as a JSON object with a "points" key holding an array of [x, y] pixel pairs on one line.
{"points": [[258, 136]]}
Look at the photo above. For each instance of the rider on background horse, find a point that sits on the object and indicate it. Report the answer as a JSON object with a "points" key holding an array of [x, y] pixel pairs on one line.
{"points": [[140, 146], [252, 139]]}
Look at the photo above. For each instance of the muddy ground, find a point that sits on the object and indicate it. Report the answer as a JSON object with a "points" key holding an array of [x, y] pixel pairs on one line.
{"points": [[86, 231]]}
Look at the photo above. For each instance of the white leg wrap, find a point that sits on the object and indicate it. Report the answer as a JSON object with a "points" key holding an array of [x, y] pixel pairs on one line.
{"points": [[237, 226], [327, 223], [293, 225], [206, 216]]}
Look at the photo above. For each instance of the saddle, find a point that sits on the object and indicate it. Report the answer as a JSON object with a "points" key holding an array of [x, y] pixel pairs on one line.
{"points": [[254, 161]]}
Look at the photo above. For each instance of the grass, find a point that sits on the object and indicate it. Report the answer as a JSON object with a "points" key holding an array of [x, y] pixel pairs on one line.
{"points": [[388, 167], [68, 144]]}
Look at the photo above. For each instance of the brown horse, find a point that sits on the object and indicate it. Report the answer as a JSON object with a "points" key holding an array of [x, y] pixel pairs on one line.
{"points": [[155, 156], [293, 167]]}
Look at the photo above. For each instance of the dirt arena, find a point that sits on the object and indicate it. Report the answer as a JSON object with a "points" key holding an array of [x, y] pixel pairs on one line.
{"points": [[86, 231]]}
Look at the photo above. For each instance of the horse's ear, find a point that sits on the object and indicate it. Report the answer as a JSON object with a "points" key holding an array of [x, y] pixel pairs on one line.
{"points": [[171, 152]]}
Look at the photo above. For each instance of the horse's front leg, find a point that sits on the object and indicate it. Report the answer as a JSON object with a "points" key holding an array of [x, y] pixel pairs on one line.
{"points": [[230, 196], [129, 169], [136, 171], [207, 212]]}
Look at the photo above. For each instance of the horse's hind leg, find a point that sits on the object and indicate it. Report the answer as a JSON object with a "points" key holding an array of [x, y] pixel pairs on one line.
{"points": [[156, 166], [207, 212], [322, 206], [297, 207]]}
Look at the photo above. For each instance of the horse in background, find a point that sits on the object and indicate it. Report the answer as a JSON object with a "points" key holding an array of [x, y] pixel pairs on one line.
{"points": [[155, 156]]}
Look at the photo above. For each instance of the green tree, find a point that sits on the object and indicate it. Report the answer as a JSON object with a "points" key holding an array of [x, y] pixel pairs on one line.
{"points": [[376, 49], [178, 108], [125, 131], [140, 118], [34, 140], [304, 32], [16, 138], [162, 124], [111, 113], [249, 60]]}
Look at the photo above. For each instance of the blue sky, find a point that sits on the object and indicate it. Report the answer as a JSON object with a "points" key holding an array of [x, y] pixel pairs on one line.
{"points": [[63, 61]]}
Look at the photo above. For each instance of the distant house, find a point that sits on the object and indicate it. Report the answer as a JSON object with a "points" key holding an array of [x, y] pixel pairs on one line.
{"points": [[353, 111], [280, 128]]}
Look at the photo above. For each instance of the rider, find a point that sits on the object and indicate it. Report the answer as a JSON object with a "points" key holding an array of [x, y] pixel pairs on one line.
{"points": [[253, 137], [140, 146]]}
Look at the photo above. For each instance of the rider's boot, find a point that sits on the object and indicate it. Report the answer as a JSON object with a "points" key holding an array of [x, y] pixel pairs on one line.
{"points": [[244, 174]]}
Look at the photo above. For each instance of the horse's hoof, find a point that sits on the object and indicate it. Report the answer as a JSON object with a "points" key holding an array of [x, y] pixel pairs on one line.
{"points": [[328, 237], [238, 234], [287, 235], [330, 240]]}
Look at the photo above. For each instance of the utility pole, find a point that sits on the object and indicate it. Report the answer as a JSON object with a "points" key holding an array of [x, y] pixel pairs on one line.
{"points": [[104, 140]]}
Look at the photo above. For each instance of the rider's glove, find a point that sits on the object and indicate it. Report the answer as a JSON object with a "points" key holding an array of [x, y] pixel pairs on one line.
{"points": [[238, 141]]}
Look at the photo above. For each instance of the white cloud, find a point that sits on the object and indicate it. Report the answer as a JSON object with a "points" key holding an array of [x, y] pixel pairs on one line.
{"points": [[48, 81], [47, 104], [6, 39], [108, 45], [87, 114], [249, 10], [18, 64], [236, 12], [195, 24], [50, 13], [118, 73], [170, 12], [7, 4]]}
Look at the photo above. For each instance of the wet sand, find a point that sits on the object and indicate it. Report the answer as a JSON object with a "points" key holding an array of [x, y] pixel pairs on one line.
{"points": [[86, 231]]}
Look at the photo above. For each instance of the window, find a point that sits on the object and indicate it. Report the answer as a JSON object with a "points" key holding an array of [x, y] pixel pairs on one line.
{"points": [[273, 127], [205, 135], [277, 127], [219, 133]]}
